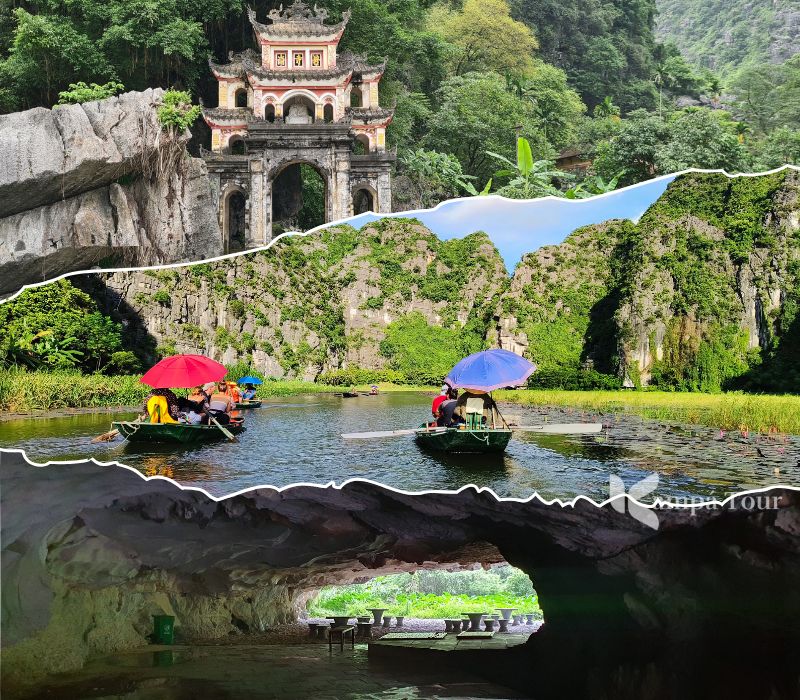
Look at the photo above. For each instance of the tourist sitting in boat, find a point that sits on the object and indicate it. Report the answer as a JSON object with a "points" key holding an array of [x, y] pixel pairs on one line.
{"points": [[373, 390], [220, 404], [439, 400], [234, 393], [446, 416], [161, 406], [473, 399], [249, 392]]}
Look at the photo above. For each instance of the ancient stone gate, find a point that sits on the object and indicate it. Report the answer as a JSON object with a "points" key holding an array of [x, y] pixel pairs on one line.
{"points": [[297, 101]]}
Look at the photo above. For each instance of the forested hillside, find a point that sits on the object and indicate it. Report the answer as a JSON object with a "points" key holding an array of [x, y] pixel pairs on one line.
{"points": [[702, 293], [466, 77], [724, 35]]}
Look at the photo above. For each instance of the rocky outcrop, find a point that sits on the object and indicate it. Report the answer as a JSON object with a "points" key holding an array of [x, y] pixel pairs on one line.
{"points": [[311, 304], [78, 191], [90, 552], [704, 282]]}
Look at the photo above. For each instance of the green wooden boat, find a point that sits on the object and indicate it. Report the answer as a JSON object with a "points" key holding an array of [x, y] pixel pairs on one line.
{"points": [[477, 440], [174, 432], [247, 403]]}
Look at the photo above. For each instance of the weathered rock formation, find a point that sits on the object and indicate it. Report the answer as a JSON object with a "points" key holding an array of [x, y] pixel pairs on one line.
{"points": [[77, 190], [708, 278], [314, 303], [700, 291], [704, 606]]}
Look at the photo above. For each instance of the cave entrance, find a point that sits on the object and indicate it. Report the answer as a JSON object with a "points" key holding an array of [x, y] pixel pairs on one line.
{"points": [[299, 198], [498, 603]]}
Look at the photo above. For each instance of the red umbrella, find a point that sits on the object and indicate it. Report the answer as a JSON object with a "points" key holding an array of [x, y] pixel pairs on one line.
{"points": [[183, 371]]}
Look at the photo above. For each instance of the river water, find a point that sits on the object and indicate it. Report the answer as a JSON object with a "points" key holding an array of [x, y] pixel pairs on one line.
{"points": [[298, 440]]}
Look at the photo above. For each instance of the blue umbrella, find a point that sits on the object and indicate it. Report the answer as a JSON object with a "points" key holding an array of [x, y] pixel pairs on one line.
{"points": [[489, 370], [250, 380]]}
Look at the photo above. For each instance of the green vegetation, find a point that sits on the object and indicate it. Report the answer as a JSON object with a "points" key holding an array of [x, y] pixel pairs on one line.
{"points": [[729, 411], [176, 111], [81, 92], [57, 326], [725, 34], [464, 77], [22, 391], [431, 594]]}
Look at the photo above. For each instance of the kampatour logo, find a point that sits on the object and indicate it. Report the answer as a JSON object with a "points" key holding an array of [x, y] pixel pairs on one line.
{"points": [[637, 491]]}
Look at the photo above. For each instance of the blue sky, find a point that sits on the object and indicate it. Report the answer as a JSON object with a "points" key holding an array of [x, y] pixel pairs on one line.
{"points": [[520, 226]]}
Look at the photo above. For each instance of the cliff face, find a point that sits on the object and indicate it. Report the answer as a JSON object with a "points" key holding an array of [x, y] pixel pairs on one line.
{"points": [[76, 191], [701, 291], [91, 552], [314, 303]]}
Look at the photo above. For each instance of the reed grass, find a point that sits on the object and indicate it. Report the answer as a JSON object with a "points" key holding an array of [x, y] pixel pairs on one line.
{"points": [[22, 391], [729, 411]]}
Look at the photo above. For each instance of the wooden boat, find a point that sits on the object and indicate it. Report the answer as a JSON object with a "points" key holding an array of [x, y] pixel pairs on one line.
{"points": [[247, 403], [348, 394], [174, 432], [461, 439]]}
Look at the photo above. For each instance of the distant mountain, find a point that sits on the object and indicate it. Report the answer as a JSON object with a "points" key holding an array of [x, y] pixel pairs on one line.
{"points": [[725, 34]]}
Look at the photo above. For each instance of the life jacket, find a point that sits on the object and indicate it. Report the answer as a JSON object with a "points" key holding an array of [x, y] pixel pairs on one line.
{"points": [[158, 410]]}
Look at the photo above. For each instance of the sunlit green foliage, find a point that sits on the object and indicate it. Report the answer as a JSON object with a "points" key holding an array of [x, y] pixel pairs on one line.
{"points": [[57, 326], [81, 92], [431, 594]]}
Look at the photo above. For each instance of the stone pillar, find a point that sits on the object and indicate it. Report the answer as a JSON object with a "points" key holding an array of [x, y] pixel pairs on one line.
{"points": [[260, 230], [340, 195], [384, 189]]}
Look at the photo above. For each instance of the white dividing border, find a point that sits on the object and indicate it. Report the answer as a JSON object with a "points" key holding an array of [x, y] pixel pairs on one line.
{"points": [[658, 503], [570, 503], [391, 215]]}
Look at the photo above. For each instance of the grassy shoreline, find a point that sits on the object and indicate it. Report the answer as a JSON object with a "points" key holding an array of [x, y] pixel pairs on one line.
{"points": [[729, 411], [26, 392]]}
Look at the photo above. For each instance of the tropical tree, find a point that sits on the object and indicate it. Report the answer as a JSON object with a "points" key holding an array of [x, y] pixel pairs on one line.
{"points": [[606, 109], [698, 139], [433, 177], [484, 36], [478, 114]]}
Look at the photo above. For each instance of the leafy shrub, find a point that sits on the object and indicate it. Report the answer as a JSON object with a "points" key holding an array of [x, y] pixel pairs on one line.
{"points": [[162, 297], [237, 308], [572, 379], [177, 111], [80, 92]]}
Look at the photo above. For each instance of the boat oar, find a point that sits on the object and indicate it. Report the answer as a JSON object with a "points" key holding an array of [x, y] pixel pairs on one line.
{"points": [[227, 433], [388, 433], [106, 437], [561, 428]]}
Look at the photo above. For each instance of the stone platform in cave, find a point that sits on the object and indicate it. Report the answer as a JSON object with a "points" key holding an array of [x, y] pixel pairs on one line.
{"points": [[451, 643]]}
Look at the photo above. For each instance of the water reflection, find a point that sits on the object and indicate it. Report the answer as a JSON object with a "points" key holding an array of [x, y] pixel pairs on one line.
{"points": [[298, 439]]}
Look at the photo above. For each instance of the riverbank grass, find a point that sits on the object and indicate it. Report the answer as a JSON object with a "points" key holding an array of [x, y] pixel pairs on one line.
{"points": [[23, 392], [729, 411]]}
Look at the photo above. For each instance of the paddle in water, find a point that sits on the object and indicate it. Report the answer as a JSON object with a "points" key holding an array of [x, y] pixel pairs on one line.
{"points": [[228, 434]]}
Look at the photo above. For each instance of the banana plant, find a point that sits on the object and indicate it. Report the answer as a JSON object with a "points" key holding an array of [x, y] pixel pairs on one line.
{"points": [[529, 177], [592, 186]]}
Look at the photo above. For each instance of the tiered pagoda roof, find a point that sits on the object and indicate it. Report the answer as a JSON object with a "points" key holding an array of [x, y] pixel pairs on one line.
{"points": [[296, 21], [248, 62]]}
